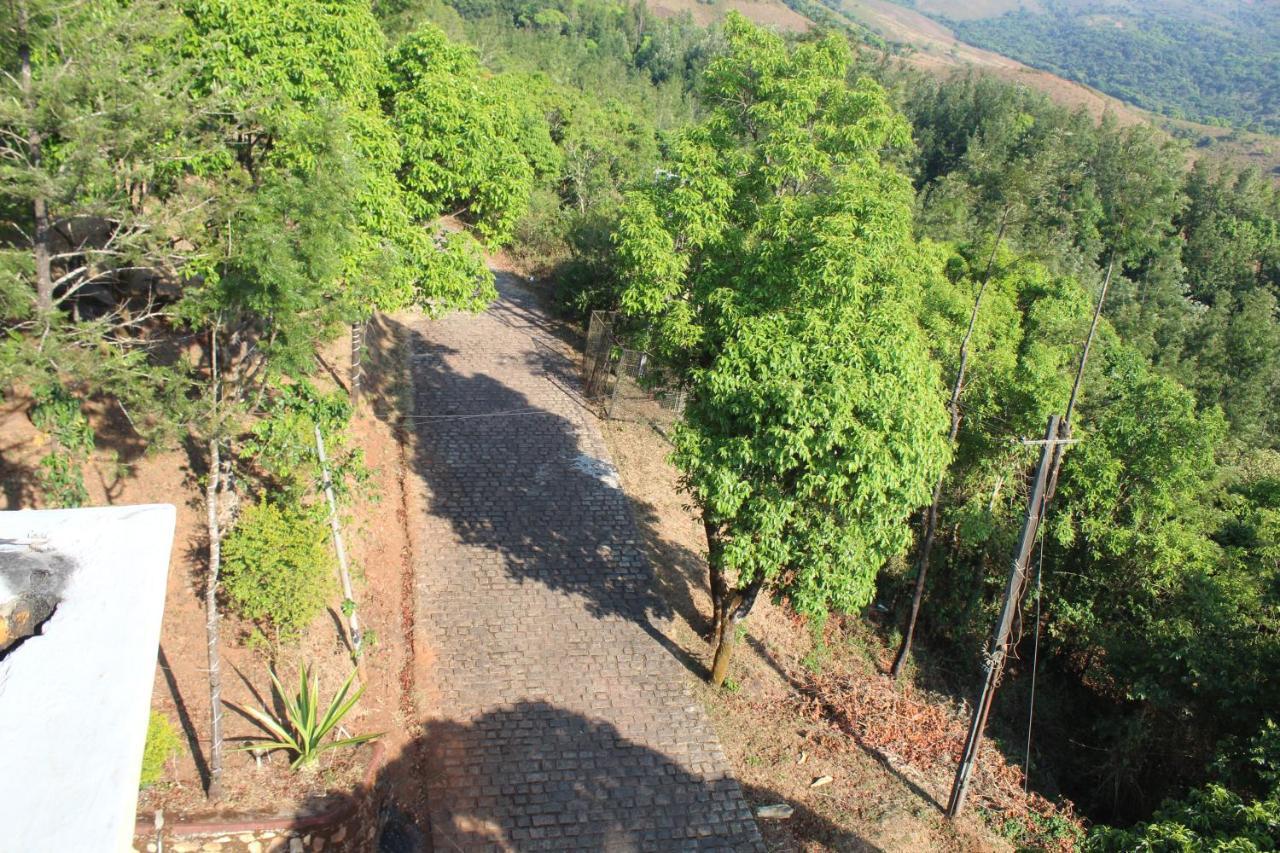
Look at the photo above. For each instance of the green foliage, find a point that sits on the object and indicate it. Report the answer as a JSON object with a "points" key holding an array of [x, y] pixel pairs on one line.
{"points": [[1160, 593], [56, 412], [283, 443], [304, 82], [460, 134], [305, 723], [89, 142], [163, 743], [774, 261], [277, 566], [1212, 818]]}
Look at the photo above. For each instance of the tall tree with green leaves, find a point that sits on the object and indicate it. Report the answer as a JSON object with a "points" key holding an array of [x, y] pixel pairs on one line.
{"points": [[461, 138], [311, 228], [96, 127], [774, 263]]}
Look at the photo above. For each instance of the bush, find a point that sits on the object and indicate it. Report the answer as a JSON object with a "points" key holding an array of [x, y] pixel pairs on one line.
{"points": [[162, 744], [541, 235], [276, 566]]}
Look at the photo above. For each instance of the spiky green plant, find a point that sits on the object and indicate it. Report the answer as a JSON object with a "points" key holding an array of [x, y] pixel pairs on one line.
{"points": [[303, 728]]}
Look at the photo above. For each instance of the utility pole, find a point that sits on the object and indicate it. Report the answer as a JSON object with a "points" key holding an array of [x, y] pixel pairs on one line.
{"points": [[1056, 439], [1014, 590]]}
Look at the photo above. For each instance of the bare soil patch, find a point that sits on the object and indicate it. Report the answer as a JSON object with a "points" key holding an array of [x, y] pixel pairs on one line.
{"points": [[123, 471]]}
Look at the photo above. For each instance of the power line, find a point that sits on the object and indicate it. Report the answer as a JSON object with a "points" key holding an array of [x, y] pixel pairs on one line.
{"points": [[1035, 655]]}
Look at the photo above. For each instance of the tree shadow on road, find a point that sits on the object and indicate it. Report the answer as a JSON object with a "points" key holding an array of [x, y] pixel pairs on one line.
{"points": [[515, 478], [561, 781]]}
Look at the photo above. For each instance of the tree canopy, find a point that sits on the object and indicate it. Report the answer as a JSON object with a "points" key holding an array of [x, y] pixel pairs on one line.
{"points": [[774, 259]]}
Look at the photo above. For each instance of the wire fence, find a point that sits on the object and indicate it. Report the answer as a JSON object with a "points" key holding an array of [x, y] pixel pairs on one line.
{"points": [[622, 380]]}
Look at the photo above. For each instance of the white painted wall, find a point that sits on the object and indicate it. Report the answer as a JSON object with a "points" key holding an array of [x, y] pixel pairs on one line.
{"points": [[74, 701]]}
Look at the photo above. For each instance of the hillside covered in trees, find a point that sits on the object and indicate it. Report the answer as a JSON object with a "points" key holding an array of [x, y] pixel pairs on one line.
{"points": [[199, 193], [1208, 62]]}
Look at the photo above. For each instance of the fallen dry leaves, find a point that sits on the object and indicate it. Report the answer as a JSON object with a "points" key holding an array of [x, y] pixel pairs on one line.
{"points": [[922, 736]]}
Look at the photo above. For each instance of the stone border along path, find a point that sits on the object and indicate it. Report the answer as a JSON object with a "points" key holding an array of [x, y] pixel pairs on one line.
{"points": [[564, 723]]}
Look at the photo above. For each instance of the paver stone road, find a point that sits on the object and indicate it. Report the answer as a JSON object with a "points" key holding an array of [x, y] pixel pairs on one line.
{"points": [[564, 723]]}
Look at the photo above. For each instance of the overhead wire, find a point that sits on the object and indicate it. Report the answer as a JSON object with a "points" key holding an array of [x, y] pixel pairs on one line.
{"points": [[1035, 649]]}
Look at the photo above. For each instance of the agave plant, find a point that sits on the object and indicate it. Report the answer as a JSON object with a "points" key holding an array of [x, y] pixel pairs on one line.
{"points": [[303, 729]]}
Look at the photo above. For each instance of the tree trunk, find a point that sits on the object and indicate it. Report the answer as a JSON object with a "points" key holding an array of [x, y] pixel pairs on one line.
{"points": [[1088, 341], [35, 141], [211, 623], [718, 584], [922, 571], [734, 609], [931, 515], [725, 642], [211, 581]]}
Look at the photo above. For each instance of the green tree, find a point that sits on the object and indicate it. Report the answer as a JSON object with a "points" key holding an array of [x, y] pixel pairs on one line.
{"points": [[461, 138], [775, 265], [1215, 817], [95, 126], [310, 228]]}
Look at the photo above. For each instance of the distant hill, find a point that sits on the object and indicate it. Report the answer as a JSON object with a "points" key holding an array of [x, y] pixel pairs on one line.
{"points": [[1214, 61], [931, 44]]}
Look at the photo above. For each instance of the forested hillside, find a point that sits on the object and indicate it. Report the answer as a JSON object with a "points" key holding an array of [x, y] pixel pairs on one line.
{"points": [[812, 243], [1212, 63]]}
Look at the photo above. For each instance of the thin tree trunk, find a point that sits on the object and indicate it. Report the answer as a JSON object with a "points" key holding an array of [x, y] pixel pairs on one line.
{"points": [[922, 571], [716, 579], [344, 573], [35, 141], [725, 642], [1088, 341], [357, 363], [736, 608], [211, 585], [211, 624], [1060, 449], [931, 515]]}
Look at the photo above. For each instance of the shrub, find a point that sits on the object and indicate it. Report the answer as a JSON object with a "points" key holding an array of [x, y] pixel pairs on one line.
{"points": [[57, 412], [276, 566], [162, 744], [283, 444], [304, 725], [541, 233]]}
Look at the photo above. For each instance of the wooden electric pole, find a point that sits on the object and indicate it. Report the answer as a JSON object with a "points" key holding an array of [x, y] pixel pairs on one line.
{"points": [[1056, 439], [1014, 590]]}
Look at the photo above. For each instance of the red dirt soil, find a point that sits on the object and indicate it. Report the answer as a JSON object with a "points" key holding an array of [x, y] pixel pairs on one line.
{"points": [[122, 471]]}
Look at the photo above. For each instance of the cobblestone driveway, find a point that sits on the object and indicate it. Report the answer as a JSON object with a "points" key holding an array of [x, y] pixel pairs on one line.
{"points": [[564, 721]]}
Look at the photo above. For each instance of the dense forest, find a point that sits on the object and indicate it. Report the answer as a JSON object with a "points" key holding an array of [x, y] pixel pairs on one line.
{"points": [[1220, 70], [810, 240]]}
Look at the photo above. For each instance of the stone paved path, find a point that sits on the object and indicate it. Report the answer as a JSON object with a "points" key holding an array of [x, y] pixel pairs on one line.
{"points": [[565, 724]]}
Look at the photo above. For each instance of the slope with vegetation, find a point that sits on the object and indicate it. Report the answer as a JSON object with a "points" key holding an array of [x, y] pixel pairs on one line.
{"points": [[925, 35], [201, 197], [1213, 63]]}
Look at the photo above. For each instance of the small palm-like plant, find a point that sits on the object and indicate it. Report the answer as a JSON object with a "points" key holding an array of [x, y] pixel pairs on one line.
{"points": [[304, 729]]}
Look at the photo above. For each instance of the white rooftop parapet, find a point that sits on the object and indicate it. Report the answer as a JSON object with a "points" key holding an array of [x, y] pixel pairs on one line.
{"points": [[75, 697]]}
